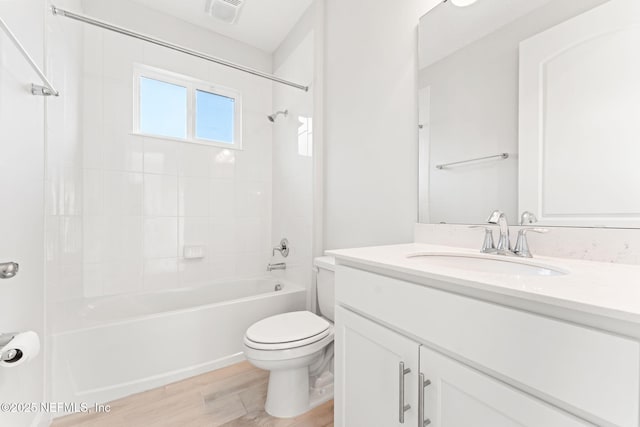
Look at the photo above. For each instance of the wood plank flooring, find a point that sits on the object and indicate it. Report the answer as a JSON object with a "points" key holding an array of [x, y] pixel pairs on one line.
{"points": [[229, 397]]}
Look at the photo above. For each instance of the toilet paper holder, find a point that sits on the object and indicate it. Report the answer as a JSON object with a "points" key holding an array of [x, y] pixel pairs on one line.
{"points": [[11, 355]]}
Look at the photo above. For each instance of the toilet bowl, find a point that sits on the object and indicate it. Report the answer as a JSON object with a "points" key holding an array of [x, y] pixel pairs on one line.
{"points": [[292, 346]]}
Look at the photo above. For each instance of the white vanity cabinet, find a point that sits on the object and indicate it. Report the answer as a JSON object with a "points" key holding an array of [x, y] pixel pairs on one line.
{"points": [[381, 372], [374, 364], [488, 364], [459, 396]]}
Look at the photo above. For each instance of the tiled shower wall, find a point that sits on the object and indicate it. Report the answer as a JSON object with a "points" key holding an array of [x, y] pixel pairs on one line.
{"points": [[122, 207], [147, 198]]}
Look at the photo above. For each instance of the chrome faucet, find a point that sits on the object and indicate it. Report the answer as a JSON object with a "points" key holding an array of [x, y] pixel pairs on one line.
{"points": [[276, 266], [504, 243], [283, 248], [522, 246], [528, 218], [488, 246]]}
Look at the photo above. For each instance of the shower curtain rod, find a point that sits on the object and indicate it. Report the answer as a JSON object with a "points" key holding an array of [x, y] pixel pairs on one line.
{"points": [[102, 24], [47, 89]]}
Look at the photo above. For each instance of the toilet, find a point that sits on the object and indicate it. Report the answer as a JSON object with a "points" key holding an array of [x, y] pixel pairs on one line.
{"points": [[297, 350]]}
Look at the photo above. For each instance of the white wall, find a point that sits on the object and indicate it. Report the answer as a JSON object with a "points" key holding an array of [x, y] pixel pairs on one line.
{"points": [[370, 122], [21, 205]]}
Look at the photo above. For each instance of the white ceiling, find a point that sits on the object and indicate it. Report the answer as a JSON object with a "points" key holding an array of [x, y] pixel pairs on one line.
{"points": [[262, 23], [447, 28]]}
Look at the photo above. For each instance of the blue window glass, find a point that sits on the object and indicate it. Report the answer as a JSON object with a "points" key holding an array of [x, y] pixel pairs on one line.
{"points": [[214, 117], [163, 108]]}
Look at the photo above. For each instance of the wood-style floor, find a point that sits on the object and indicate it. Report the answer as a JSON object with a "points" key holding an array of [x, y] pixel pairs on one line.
{"points": [[229, 397]]}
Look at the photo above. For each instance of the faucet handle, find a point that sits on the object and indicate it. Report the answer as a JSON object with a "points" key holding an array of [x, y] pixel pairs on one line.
{"points": [[528, 217], [522, 246], [283, 248], [487, 245]]}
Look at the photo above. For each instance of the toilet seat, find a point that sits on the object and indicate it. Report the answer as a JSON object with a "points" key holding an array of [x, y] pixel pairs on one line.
{"points": [[288, 330]]}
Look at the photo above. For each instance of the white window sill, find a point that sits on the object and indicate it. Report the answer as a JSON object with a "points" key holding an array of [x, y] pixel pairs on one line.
{"points": [[204, 142]]}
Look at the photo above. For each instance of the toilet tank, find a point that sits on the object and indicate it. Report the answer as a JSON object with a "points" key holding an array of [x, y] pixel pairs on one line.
{"points": [[325, 283]]}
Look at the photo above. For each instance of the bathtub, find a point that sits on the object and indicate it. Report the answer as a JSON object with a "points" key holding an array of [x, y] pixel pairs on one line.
{"points": [[110, 347]]}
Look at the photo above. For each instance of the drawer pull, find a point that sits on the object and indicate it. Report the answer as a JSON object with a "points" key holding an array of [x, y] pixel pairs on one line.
{"points": [[402, 371], [422, 385]]}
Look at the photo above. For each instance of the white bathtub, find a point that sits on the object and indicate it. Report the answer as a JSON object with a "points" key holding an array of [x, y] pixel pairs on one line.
{"points": [[110, 347]]}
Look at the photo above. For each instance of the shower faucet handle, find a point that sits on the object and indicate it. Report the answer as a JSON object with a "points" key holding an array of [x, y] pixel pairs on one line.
{"points": [[283, 248]]}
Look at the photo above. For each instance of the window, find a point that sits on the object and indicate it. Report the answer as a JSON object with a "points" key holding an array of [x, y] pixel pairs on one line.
{"points": [[169, 105]]}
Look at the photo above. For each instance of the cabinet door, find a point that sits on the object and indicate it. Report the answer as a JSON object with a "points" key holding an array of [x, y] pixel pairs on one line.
{"points": [[369, 380], [456, 395]]}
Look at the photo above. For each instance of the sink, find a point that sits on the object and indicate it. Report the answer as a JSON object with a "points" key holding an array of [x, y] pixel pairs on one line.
{"points": [[498, 264]]}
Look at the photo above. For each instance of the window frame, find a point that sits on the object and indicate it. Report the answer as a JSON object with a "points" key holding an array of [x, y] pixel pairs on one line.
{"points": [[192, 85]]}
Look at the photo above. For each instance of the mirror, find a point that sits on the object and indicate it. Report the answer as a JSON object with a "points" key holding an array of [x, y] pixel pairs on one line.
{"points": [[530, 105]]}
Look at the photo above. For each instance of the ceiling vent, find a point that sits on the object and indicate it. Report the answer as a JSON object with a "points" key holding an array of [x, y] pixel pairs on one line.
{"points": [[224, 10]]}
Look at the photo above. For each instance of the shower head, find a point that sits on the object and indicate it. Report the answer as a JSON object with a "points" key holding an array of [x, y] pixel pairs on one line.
{"points": [[272, 117]]}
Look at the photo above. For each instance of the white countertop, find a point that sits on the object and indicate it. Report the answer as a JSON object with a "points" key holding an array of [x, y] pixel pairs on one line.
{"points": [[604, 289]]}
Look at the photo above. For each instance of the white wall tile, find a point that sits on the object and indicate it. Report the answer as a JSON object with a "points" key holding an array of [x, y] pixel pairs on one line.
{"points": [[160, 156], [119, 54], [160, 237], [93, 280], [94, 230], [122, 151], [118, 106], [251, 235], [70, 240], [92, 50], [194, 197], [250, 200], [194, 272], [123, 239], [193, 232], [194, 160], [146, 197], [64, 186], [160, 274], [250, 264], [123, 193], [160, 195], [223, 163], [93, 192], [222, 198], [223, 267], [223, 240], [128, 277]]}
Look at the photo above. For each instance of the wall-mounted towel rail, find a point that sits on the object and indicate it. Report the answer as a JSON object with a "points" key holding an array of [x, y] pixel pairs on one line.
{"points": [[47, 89], [497, 156]]}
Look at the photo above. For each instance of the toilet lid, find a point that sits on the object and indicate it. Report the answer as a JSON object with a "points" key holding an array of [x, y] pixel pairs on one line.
{"points": [[287, 328]]}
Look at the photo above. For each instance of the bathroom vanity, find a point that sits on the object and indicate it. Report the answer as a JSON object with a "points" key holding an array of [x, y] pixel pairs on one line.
{"points": [[422, 339]]}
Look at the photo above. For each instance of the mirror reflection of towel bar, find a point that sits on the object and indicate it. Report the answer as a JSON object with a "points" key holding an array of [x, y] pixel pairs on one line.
{"points": [[497, 156]]}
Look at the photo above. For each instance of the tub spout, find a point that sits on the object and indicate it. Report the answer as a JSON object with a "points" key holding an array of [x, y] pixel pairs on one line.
{"points": [[276, 266]]}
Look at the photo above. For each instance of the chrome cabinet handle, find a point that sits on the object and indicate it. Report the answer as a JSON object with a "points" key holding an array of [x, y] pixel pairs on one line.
{"points": [[421, 386], [402, 371], [8, 269]]}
